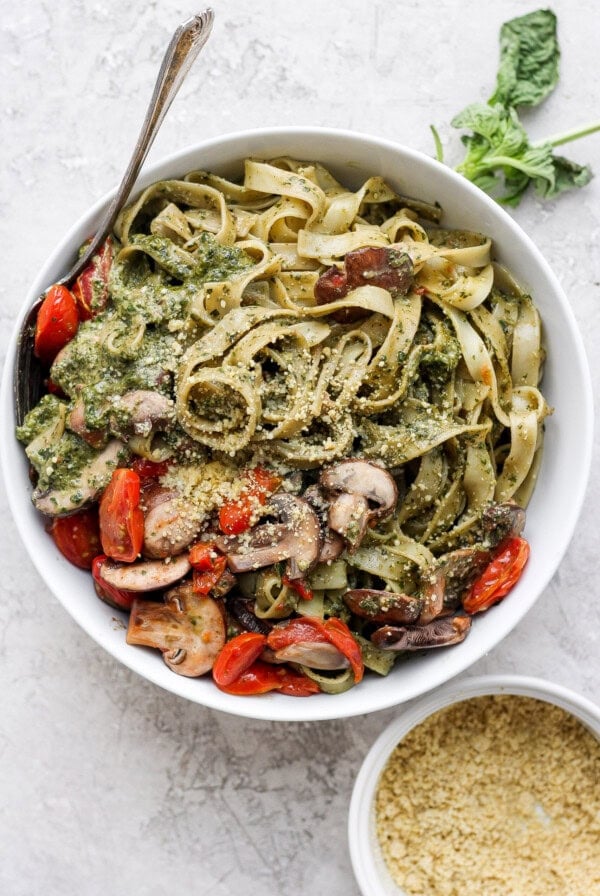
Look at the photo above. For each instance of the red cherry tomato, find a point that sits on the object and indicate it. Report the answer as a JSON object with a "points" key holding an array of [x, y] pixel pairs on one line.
{"points": [[121, 519], [237, 655], [149, 469], [56, 324], [202, 555], [299, 586], [309, 628], [78, 537], [91, 287], [331, 286], [499, 576], [204, 582], [235, 516], [114, 597], [261, 677]]}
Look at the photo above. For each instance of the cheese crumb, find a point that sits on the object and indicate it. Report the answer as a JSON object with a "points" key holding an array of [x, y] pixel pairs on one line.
{"points": [[494, 795]]}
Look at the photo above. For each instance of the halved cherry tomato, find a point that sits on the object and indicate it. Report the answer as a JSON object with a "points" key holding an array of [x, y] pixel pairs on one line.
{"points": [[51, 387], [235, 516], [309, 628], [294, 684], [121, 519], [202, 555], [78, 537], [499, 576], [56, 324], [114, 597], [204, 582], [236, 656], [295, 631], [261, 677], [150, 469], [91, 287], [299, 586]]}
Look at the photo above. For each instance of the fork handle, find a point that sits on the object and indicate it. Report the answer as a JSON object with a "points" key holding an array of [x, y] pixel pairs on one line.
{"points": [[186, 43]]}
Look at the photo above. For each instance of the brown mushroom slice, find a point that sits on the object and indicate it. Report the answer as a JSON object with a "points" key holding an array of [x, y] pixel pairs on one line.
{"points": [[188, 628], [383, 606], [297, 539], [90, 481], [359, 492], [145, 575], [332, 548], [243, 612], [332, 544], [77, 424], [444, 584], [315, 655], [141, 411], [501, 521], [170, 526], [439, 633]]}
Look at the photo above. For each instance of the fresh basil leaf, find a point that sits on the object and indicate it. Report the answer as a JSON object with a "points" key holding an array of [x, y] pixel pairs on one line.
{"points": [[529, 56], [567, 174], [499, 157]]}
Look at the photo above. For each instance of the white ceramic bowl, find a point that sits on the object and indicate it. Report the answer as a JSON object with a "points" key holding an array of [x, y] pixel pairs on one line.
{"points": [[369, 866], [553, 511]]}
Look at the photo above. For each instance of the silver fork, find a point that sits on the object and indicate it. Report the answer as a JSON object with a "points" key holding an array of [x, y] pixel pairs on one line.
{"points": [[186, 43]]}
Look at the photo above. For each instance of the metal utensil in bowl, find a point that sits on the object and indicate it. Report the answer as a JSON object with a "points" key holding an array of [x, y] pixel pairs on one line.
{"points": [[186, 43]]}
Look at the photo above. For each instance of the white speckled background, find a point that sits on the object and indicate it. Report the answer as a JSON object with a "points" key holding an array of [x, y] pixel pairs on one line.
{"points": [[107, 784]]}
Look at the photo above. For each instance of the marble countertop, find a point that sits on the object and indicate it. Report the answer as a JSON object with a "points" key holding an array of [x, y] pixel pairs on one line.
{"points": [[108, 784]]}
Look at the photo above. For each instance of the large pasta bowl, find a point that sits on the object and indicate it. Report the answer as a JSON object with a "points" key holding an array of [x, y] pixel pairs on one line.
{"points": [[554, 507]]}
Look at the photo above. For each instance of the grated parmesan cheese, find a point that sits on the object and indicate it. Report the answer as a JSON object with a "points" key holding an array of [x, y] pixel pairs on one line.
{"points": [[494, 796]]}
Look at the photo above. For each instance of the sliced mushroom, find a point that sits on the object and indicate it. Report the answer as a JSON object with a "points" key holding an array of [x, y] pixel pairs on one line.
{"points": [[332, 545], [502, 520], [297, 539], [242, 610], [141, 411], [170, 525], [188, 628], [314, 654], [439, 633], [86, 487], [78, 425], [383, 606], [145, 575], [460, 569], [443, 585], [359, 493]]}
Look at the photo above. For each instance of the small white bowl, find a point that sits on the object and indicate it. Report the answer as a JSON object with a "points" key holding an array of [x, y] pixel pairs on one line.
{"points": [[557, 500], [368, 863]]}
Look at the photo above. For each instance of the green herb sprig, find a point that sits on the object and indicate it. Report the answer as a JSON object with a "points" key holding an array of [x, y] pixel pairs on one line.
{"points": [[500, 157]]}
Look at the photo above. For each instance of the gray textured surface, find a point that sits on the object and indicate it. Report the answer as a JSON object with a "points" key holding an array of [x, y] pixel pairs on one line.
{"points": [[109, 785]]}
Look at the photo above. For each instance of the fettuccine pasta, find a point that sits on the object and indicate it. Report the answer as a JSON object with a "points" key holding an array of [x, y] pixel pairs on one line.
{"points": [[288, 323]]}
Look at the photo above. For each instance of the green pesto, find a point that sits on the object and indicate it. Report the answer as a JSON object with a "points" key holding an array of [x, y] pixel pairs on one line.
{"points": [[46, 414]]}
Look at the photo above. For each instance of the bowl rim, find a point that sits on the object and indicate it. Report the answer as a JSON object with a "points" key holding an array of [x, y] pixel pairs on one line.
{"points": [[367, 862], [275, 707]]}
